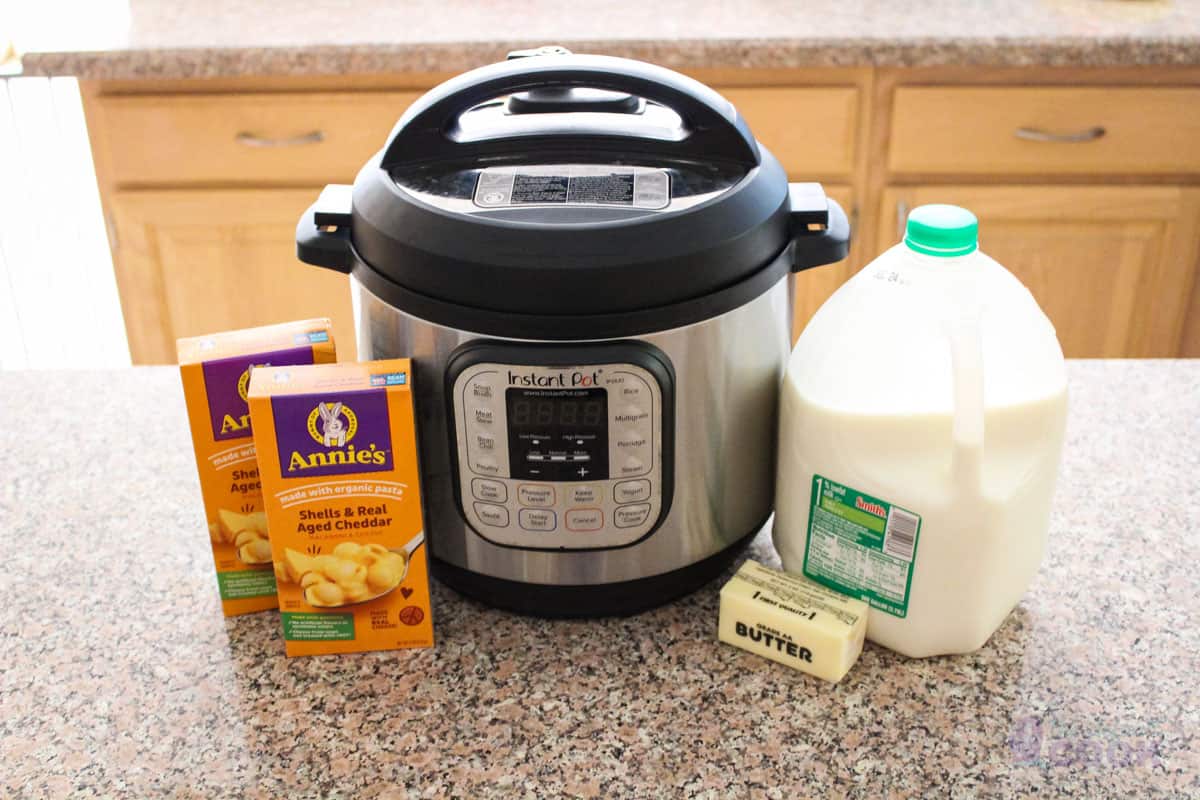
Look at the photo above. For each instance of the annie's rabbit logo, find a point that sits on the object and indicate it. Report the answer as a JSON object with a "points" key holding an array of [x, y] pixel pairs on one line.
{"points": [[332, 424]]}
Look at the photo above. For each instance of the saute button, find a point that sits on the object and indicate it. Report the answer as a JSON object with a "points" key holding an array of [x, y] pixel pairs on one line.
{"points": [[483, 489], [492, 515], [537, 519], [631, 516], [535, 494], [585, 495], [631, 491], [585, 519]]}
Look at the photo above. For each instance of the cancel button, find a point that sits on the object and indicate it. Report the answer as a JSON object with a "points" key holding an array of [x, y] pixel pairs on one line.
{"points": [[631, 516]]}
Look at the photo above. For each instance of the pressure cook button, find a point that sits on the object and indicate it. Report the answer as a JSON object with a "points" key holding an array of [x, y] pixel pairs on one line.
{"points": [[493, 491], [537, 519], [535, 494], [631, 491], [585, 495], [585, 519], [631, 516], [492, 515]]}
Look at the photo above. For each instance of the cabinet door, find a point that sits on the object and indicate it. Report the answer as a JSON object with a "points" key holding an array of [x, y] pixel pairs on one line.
{"points": [[1112, 266], [191, 262], [814, 286]]}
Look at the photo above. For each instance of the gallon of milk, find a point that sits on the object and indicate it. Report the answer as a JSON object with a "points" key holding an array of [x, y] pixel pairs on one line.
{"points": [[921, 425]]}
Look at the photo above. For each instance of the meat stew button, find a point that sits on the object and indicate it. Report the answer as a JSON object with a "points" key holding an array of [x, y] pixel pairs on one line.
{"points": [[631, 516]]}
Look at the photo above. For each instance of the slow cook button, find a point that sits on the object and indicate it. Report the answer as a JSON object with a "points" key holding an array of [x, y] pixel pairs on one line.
{"points": [[631, 516], [492, 515], [584, 495], [535, 494], [537, 519], [585, 519], [631, 491], [492, 491]]}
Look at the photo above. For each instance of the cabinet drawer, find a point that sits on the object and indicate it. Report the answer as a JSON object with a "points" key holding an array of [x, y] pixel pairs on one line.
{"points": [[811, 131], [1040, 131], [300, 138]]}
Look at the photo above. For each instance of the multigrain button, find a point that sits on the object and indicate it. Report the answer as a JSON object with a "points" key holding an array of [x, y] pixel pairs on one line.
{"points": [[535, 494], [492, 491], [631, 516], [631, 491], [492, 515], [585, 519], [537, 519], [584, 495]]}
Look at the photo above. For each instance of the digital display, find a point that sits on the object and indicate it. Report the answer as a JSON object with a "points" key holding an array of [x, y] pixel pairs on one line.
{"points": [[558, 434]]}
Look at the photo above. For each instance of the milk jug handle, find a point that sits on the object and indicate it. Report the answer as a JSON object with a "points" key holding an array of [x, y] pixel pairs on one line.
{"points": [[966, 360]]}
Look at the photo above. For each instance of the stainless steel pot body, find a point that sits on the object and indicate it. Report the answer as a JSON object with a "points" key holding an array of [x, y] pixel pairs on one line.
{"points": [[727, 374]]}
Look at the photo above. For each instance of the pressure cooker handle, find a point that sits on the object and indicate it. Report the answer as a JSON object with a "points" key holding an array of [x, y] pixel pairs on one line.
{"points": [[820, 228], [323, 232], [710, 129]]}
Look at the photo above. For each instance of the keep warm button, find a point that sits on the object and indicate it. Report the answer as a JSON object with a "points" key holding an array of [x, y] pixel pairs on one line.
{"points": [[631, 516], [585, 519]]}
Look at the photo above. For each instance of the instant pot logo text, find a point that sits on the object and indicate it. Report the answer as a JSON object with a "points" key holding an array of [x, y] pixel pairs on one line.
{"points": [[563, 380], [339, 434]]}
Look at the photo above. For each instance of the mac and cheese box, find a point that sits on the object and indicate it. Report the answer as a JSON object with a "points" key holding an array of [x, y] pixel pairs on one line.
{"points": [[337, 451], [216, 375]]}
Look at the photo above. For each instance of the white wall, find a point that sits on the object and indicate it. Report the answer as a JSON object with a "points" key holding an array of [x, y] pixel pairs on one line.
{"points": [[58, 298]]}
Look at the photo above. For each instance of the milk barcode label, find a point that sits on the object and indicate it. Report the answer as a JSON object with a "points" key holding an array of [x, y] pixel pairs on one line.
{"points": [[901, 534], [861, 546]]}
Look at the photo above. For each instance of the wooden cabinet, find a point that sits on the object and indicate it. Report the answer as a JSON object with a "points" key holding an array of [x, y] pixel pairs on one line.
{"points": [[194, 261], [1112, 266], [203, 182]]}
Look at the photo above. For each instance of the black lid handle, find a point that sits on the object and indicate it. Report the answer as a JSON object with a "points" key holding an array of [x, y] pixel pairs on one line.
{"points": [[711, 127]]}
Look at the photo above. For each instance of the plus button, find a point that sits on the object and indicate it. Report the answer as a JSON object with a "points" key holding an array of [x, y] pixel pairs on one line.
{"points": [[583, 471]]}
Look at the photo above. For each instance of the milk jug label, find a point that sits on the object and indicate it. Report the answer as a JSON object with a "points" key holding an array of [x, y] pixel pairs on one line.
{"points": [[861, 546]]}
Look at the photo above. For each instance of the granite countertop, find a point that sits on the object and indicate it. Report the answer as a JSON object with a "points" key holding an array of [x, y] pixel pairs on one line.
{"points": [[121, 678], [121, 39]]}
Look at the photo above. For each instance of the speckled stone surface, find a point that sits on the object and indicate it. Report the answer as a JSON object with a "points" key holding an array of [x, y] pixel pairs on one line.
{"points": [[120, 678], [223, 38]]}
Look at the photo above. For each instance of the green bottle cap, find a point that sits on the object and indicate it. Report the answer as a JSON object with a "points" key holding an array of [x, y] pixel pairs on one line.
{"points": [[942, 230]]}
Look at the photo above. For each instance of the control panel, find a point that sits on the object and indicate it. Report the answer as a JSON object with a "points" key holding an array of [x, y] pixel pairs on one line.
{"points": [[562, 447]]}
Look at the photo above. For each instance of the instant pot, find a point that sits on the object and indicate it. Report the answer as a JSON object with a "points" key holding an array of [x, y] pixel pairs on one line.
{"points": [[588, 260]]}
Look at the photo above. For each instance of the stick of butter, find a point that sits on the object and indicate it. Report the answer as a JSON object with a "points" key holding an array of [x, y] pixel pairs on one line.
{"points": [[792, 620]]}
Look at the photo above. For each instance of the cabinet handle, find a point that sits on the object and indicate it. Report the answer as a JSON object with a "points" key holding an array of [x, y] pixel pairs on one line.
{"points": [[1039, 135], [250, 140]]}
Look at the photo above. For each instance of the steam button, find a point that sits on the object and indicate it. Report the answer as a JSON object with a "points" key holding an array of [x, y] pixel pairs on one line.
{"points": [[633, 466]]}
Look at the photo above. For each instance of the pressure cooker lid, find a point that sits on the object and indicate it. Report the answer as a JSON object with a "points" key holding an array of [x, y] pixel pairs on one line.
{"points": [[564, 184]]}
